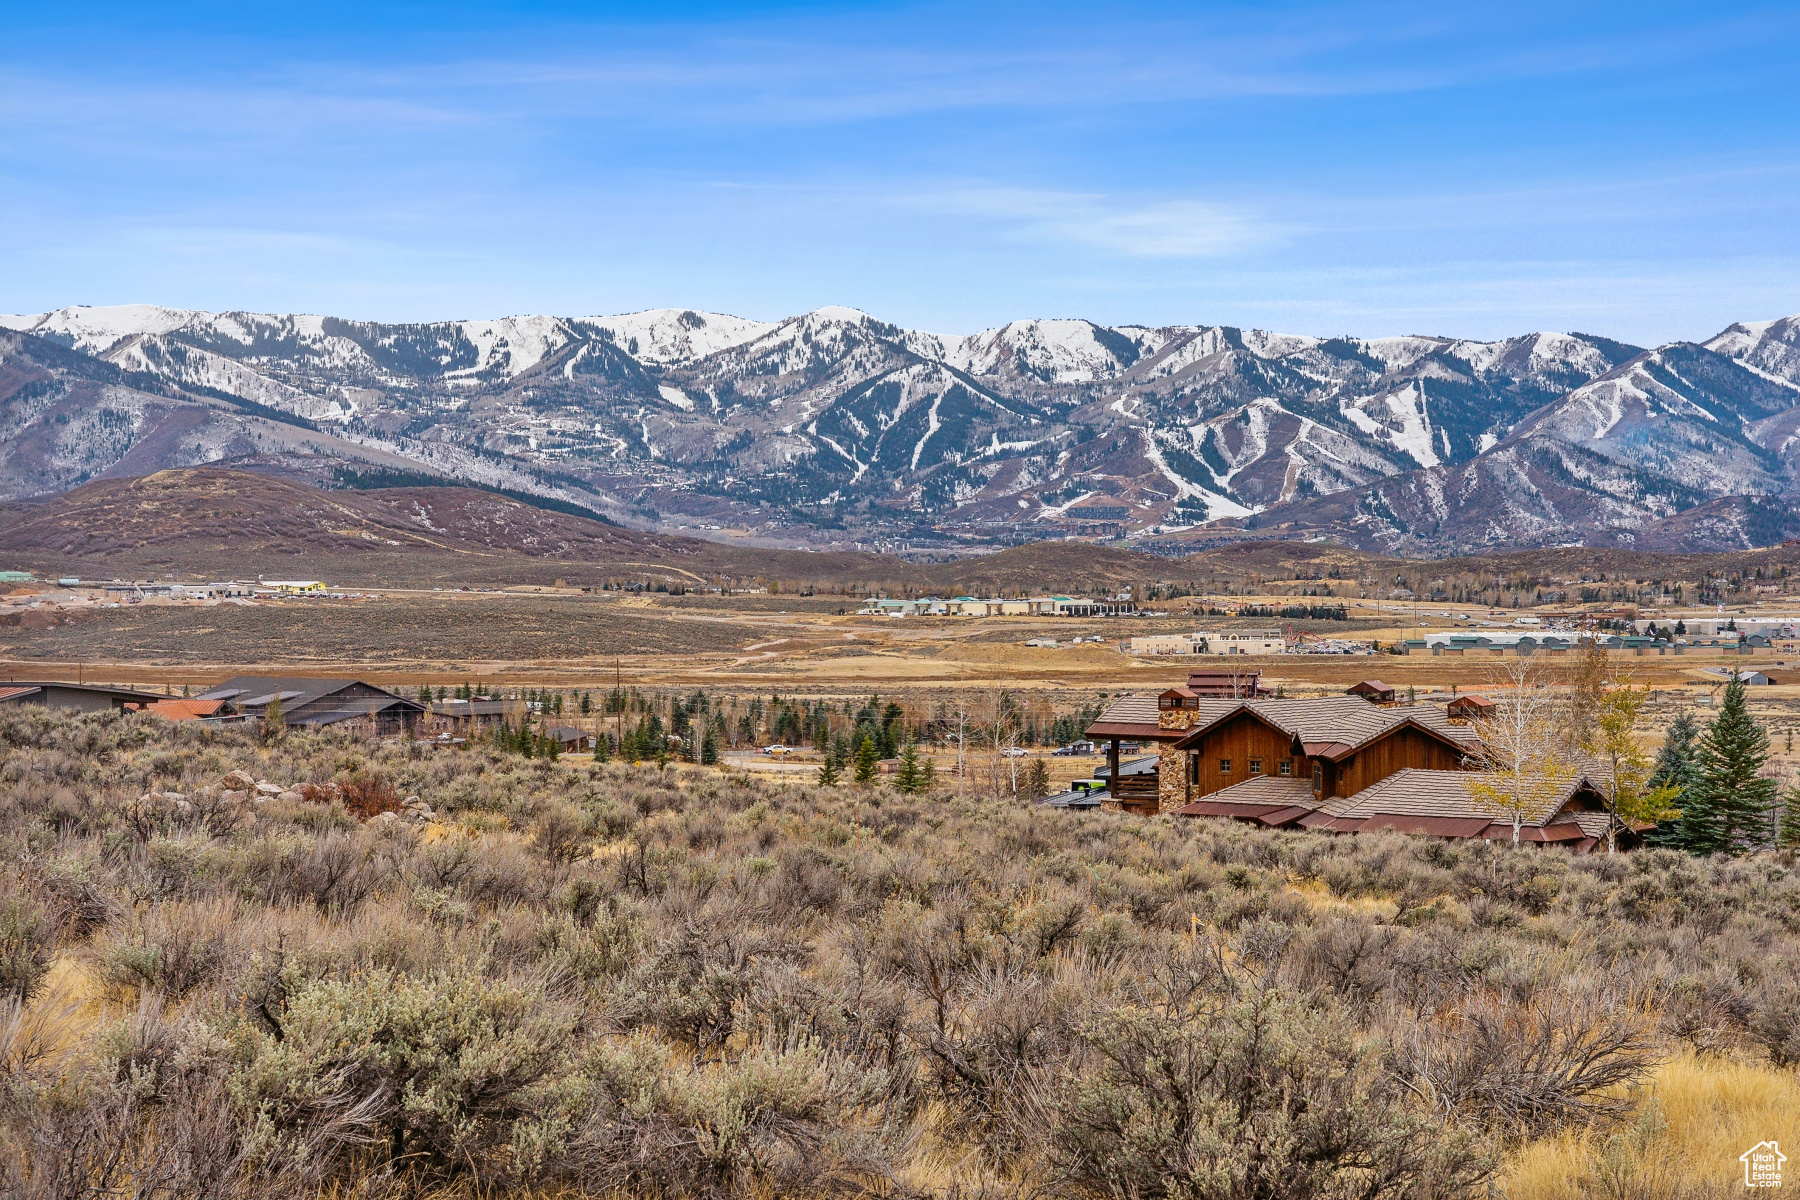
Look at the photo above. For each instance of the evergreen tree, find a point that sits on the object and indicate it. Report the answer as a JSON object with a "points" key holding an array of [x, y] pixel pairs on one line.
{"points": [[1731, 802], [868, 757], [828, 773], [709, 748], [1788, 836], [907, 777], [928, 776], [893, 720], [1037, 780], [840, 750], [1677, 766], [602, 748]]}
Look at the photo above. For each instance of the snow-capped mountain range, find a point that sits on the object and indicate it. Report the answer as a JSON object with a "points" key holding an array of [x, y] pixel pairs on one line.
{"points": [[833, 427]]}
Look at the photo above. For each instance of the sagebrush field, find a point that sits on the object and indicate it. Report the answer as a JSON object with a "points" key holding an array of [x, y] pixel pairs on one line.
{"points": [[567, 979]]}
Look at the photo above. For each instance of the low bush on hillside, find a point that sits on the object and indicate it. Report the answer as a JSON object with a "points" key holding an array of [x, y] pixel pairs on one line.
{"points": [[605, 980]]}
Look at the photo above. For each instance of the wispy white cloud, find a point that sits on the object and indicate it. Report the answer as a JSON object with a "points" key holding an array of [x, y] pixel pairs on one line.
{"points": [[1136, 228]]}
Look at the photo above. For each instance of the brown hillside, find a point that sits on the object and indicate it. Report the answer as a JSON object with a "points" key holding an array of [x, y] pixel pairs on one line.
{"points": [[225, 523]]}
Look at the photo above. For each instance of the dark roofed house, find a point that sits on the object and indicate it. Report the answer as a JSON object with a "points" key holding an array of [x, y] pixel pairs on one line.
{"points": [[318, 701], [1470, 708], [81, 697], [466, 716], [1372, 690]]}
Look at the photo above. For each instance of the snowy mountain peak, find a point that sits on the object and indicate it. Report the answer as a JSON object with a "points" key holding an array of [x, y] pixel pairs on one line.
{"points": [[673, 336]]}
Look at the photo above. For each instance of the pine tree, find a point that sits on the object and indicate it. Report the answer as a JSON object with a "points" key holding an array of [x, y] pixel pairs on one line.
{"points": [[1037, 781], [1677, 766], [709, 748], [1788, 836], [1730, 803], [907, 777], [867, 759], [828, 773], [928, 776], [602, 747]]}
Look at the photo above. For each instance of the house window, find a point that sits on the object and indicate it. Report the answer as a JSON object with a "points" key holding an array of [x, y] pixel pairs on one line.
{"points": [[1193, 768], [1287, 766], [1224, 766], [1318, 776], [1256, 766]]}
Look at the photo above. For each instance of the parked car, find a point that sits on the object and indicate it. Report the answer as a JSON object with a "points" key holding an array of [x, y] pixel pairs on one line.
{"points": [[1014, 752], [1074, 750], [778, 750]]}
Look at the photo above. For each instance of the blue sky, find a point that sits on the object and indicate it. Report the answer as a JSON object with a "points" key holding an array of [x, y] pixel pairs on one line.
{"points": [[1372, 169]]}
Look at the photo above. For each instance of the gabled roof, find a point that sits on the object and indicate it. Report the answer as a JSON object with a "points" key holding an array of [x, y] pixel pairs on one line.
{"points": [[1334, 726], [256, 691], [1414, 799]]}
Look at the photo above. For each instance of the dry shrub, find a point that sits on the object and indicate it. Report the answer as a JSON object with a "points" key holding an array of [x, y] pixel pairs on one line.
{"points": [[1247, 1094], [785, 1121], [365, 795], [173, 947], [27, 942], [1559, 1059], [756, 987]]}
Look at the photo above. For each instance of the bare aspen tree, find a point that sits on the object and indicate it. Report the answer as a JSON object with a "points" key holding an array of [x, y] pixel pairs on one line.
{"points": [[1522, 760], [962, 746]]}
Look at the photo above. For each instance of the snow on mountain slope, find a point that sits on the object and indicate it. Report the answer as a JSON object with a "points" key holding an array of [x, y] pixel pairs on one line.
{"points": [[1769, 347], [96, 330], [1053, 351], [677, 336], [836, 420]]}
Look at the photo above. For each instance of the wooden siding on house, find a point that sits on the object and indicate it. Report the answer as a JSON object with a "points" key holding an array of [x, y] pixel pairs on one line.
{"points": [[1246, 738], [1239, 740], [1404, 747]]}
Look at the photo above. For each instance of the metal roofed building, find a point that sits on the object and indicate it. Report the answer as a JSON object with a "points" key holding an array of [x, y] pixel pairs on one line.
{"points": [[81, 697], [307, 701]]}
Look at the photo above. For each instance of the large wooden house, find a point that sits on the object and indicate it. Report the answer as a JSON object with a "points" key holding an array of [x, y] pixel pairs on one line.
{"points": [[1332, 745]]}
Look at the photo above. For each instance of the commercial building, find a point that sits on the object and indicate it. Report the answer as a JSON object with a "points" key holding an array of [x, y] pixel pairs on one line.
{"points": [[306, 701]]}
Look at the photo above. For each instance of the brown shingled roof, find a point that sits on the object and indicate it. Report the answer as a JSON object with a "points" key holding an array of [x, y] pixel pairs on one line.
{"points": [[1438, 795], [1137, 716], [1271, 800], [1338, 725]]}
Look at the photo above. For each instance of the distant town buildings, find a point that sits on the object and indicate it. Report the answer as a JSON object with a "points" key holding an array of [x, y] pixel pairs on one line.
{"points": [[972, 606], [1231, 641]]}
